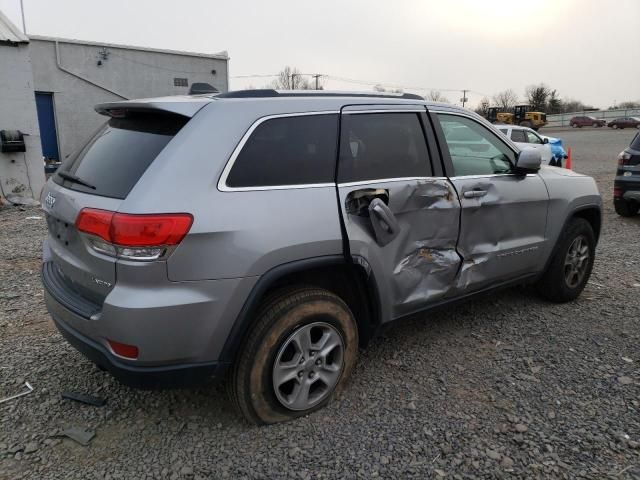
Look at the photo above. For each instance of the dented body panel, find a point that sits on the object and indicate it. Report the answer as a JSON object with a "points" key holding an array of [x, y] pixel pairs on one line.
{"points": [[502, 233], [420, 264]]}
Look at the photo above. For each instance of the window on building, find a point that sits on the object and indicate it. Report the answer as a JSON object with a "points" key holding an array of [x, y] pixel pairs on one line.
{"points": [[376, 146], [180, 82], [297, 150]]}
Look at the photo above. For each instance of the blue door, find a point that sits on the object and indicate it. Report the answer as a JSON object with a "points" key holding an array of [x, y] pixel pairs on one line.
{"points": [[47, 123]]}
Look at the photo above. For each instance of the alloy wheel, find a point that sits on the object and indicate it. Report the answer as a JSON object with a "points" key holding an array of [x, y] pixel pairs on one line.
{"points": [[308, 366], [576, 261]]}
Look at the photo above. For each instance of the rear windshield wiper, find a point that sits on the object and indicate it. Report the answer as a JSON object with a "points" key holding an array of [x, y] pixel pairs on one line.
{"points": [[74, 179]]}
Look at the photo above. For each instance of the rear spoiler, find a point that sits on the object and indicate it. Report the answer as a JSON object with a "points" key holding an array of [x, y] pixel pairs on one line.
{"points": [[179, 105]]}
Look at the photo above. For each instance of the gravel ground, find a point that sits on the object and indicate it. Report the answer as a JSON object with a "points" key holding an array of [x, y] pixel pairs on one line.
{"points": [[505, 387]]}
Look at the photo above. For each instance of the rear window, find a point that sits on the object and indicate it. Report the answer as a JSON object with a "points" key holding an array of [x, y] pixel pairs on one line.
{"points": [[635, 143], [298, 150], [116, 157]]}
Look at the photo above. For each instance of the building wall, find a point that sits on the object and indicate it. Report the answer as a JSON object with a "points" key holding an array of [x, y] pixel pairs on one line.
{"points": [[125, 73], [20, 173]]}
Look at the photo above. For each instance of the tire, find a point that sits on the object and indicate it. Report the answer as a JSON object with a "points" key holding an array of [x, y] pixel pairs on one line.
{"points": [[614, 126], [558, 284], [625, 208], [284, 323], [573, 125]]}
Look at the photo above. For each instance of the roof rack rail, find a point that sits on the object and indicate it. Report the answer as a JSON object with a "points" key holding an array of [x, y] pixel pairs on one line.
{"points": [[268, 92]]}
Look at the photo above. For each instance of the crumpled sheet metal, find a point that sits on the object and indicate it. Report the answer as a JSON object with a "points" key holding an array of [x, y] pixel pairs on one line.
{"points": [[425, 193], [425, 273]]}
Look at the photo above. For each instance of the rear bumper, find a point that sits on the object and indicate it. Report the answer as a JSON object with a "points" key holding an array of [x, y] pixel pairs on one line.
{"points": [[629, 187], [173, 376], [179, 328]]}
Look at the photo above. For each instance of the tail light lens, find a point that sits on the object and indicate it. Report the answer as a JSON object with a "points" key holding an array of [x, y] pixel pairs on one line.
{"points": [[617, 192], [623, 158], [136, 237]]}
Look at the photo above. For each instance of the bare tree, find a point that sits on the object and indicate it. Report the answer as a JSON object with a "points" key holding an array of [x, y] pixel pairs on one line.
{"points": [[629, 105], [290, 79], [537, 96], [483, 107], [505, 100], [554, 104], [436, 96]]}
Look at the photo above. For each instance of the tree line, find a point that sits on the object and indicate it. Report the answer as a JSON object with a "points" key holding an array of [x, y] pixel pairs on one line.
{"points": [[540, 97]]}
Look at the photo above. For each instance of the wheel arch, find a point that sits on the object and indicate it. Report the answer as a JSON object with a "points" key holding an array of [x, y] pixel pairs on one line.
{"points": [[592, 214], [353, 282]]}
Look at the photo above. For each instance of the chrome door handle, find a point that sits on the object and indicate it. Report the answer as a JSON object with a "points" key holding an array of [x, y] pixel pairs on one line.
{"points": [[474, 193]]}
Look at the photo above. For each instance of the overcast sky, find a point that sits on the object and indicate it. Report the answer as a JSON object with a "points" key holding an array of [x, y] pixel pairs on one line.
{"points": [[586, 49]]}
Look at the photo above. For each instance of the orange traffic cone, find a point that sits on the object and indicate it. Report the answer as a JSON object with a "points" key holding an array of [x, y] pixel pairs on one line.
{"points": [[568, 164]]}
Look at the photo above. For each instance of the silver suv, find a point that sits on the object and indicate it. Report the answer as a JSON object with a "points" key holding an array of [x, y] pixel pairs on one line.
{"points": [[268, 235]]}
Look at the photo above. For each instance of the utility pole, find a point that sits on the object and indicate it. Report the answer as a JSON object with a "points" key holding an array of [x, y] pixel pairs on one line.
{"points": [[317, 76], [293, 81], [24, 25], [464, 97]]}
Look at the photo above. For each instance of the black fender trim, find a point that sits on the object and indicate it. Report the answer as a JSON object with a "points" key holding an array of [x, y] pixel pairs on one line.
{"points": [[246, 316], [572, 214]]}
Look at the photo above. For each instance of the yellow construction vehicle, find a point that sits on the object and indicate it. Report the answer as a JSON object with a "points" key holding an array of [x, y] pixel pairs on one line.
{"points": [[521, 115]]}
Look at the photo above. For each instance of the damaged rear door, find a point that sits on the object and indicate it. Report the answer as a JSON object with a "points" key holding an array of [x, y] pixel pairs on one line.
{"points": [[400, 219]]}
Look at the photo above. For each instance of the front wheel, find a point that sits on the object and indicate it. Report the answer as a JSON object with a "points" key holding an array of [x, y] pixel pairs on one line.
{"points": [[571, 264], [298, 355]]}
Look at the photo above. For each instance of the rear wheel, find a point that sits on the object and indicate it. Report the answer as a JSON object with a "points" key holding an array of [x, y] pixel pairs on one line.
{"points": [[571, 264], [298, 355], [574, 125], [625, 208]]}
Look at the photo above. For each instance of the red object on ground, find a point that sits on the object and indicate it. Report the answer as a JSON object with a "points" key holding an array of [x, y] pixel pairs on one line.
{"points": [[568, 164]]}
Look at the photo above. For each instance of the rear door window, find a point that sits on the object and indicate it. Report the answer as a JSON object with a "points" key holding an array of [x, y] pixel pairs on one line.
{"points": [[379, 146], [635, 143], [296, 150], [518, 136], [116, 157]]}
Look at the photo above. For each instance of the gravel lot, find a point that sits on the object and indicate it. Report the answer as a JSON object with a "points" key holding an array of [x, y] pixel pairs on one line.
{"points": [[505, 387]]}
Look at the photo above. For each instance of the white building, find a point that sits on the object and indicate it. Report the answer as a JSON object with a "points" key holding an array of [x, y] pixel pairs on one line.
{"points": [[49, 87]]}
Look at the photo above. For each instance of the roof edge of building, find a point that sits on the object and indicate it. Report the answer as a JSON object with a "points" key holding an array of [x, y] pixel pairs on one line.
{"points": [[224, 55], [17, 35]]}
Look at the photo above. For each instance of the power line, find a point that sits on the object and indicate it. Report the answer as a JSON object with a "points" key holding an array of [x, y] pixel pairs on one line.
{"points": [[369, 83]]}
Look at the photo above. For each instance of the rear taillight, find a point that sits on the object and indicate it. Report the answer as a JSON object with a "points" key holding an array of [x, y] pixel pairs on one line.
{"points": [[132, 236], [623, 158], [617, 192]]}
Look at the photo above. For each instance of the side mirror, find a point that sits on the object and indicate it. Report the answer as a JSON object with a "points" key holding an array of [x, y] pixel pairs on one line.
{"points": [[545, 140], [529, 160]]}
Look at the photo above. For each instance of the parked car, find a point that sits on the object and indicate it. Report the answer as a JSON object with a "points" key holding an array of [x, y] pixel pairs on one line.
{"points": [[525, 137], [625, 122], [269, 235], [626, 187], [579, 122]]}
